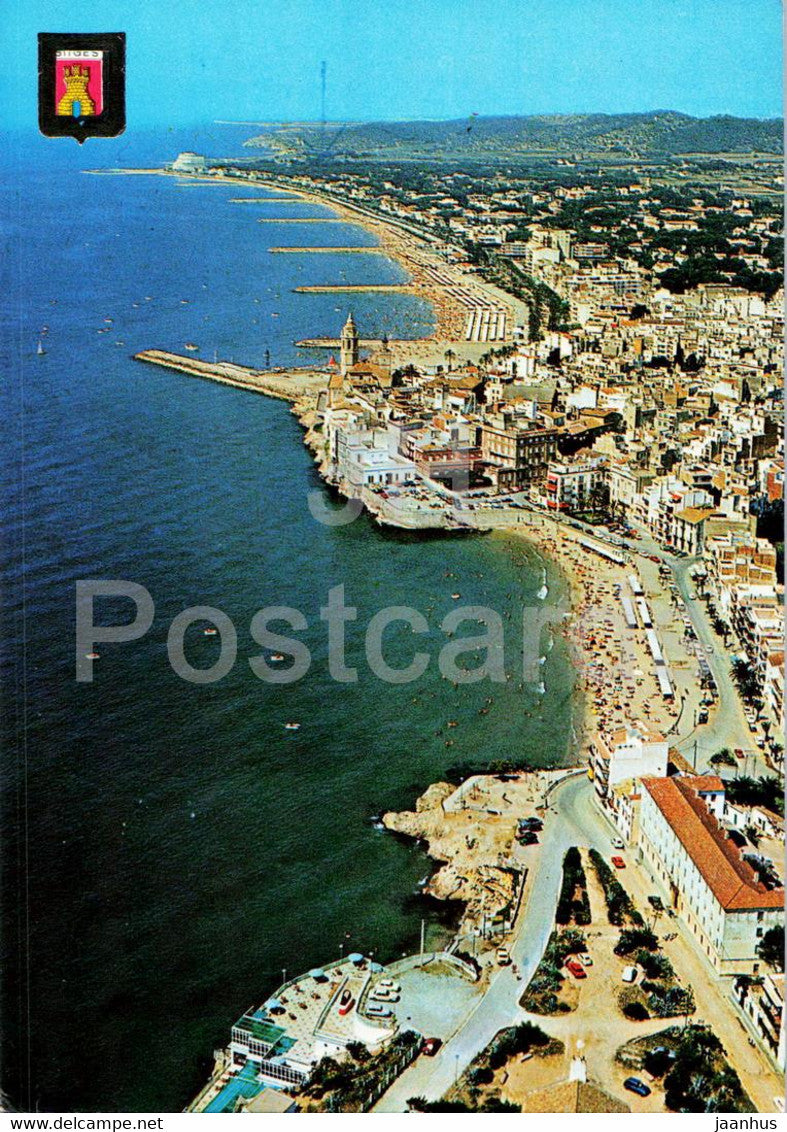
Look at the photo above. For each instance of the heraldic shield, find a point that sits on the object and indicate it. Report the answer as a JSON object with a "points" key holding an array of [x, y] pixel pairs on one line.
{"points": [[82, 85]]}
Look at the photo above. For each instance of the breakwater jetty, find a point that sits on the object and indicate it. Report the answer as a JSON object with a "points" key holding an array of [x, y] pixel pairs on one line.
{"points": [[357, 288], [301, 220], [328, 251], [292, 385], [266, 200], [364, 343]]}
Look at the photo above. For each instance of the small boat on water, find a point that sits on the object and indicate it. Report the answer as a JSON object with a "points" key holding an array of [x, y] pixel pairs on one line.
{"points": [[456, 596], [291, 726], [40, 348], [277, 657], [210, 632], [191, 346], [92, 656]]}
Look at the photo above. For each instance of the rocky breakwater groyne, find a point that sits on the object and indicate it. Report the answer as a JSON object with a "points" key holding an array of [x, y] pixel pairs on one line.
{"points": [[299, 386]]}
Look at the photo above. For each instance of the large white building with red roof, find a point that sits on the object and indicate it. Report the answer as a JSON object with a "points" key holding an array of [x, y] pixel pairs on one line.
{"points": [[716, 891]]}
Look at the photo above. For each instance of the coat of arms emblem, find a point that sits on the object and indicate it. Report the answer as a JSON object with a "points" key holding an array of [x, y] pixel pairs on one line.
{"points": [[81, 85]]}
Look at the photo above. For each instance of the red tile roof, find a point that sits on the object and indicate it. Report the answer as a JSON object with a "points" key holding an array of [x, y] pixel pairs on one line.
{"points": [[731, 879]]}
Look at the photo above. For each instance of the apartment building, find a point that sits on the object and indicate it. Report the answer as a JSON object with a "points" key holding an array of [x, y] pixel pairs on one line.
{"points": [[570, 484], [518, 455], [629, 753]]}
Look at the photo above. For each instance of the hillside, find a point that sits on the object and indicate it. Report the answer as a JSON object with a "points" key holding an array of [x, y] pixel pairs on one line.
{"points": [[656, 134]]}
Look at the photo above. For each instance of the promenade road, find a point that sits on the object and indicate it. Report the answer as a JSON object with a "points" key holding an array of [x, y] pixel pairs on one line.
{"points": [[572, 819]]}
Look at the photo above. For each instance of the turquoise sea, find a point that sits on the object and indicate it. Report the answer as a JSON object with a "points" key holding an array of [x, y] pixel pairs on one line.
{"points": [[170, 848]]}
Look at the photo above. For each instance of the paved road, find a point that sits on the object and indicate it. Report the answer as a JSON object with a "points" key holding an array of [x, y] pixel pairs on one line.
{"points": [[572, 819], [711, 994], [728, 726]]}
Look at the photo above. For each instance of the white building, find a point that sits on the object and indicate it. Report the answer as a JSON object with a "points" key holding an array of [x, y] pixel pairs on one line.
{"points": [[189, 162], [570, 484], [763, 1004], [629, 753], [716, 892]]}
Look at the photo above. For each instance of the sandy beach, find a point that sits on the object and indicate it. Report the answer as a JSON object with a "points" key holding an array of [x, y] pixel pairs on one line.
{"points": [[614, 667], [450, 291]]}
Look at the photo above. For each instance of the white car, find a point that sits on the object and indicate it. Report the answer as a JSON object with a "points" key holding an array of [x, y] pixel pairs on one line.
{"points": [[375, 1011], [618, 843]]}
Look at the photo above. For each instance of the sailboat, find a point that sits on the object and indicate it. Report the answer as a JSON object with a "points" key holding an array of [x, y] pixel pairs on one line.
{"points": [[40, 348]]}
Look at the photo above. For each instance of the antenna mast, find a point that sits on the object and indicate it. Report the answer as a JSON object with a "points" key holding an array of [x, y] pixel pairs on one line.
{"points": [[323, 73]]}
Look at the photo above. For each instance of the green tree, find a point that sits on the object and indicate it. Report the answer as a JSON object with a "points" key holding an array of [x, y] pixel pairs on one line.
{"points": [[771, 947]]}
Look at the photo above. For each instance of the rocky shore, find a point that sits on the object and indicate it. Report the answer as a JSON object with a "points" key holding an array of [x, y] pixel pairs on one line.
{"points": [[469, 832]]}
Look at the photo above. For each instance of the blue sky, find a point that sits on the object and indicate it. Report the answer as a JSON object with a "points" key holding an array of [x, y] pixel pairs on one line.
{"points": [[197, 60]]}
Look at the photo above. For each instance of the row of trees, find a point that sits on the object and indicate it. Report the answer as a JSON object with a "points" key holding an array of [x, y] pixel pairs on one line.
{"points": [[573, 902], [619, 904]]}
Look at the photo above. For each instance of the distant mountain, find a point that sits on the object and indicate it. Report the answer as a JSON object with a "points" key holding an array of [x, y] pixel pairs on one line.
{"points": [[659, 133]]}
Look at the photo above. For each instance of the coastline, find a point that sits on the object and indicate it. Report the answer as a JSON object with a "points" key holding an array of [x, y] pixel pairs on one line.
{"points": [[432, 279], [471, 879]]}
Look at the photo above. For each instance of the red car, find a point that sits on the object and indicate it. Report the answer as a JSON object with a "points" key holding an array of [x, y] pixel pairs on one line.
{"points": [[576, 969], [431, 1046], [618, 862]]}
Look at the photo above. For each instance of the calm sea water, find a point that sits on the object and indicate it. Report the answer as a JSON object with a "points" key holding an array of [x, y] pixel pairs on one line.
{"points": [[169, 848]]}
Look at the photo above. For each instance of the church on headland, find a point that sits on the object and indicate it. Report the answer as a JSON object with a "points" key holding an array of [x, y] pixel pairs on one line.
{"points": [[354, 375]]}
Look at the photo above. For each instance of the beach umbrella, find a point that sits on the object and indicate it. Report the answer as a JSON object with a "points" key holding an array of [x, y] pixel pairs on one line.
{"points": [[317, 973], [356, 957], [274, 1004]]}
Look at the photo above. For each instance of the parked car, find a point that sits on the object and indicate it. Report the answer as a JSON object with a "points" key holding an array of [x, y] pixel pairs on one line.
{"points": [[629, 975], [503, 958], [431, 1046], [586, 960], [576, 969], [618, 843], [634, 1085], [375, 1011], [618, 862]]}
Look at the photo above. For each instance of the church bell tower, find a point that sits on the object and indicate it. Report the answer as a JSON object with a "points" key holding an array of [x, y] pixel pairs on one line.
{"points": [[349, 345]]}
